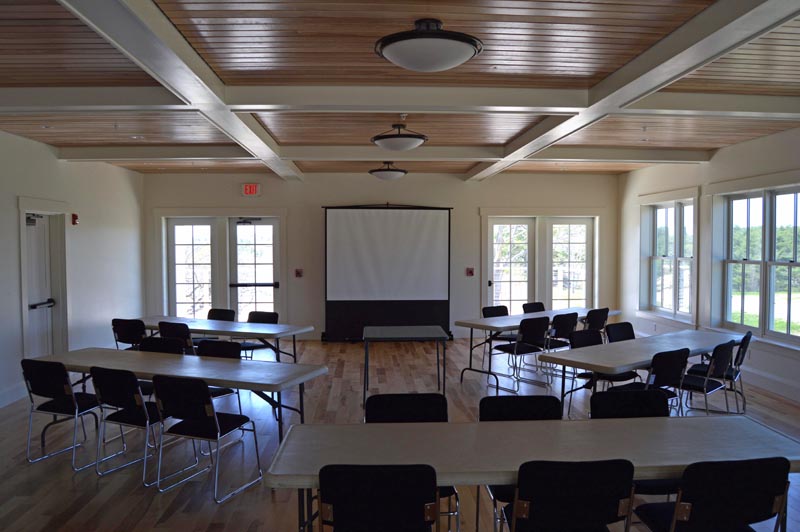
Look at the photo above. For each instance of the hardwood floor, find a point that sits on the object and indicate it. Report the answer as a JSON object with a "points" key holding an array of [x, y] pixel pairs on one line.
{"points": [[48, 496]]}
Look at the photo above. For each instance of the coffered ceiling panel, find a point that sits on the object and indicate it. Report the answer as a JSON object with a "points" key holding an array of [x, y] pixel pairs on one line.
{"points": [[195, 166], [43, 44], [347, 129], [575, 167], [702, 133], [570, 44], [115, 129], [430, 167], [769, 65]]}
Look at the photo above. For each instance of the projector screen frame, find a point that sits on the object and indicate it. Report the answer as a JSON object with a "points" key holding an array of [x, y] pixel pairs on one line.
{"points": [[345, 320]]}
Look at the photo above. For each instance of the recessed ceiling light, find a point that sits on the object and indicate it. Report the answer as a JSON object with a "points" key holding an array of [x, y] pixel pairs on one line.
{"points": [[399, 139], [388, 172], [428, 48]]}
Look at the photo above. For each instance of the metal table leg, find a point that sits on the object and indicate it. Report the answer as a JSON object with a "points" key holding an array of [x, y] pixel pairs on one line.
{"points": [[470, 368], [366, 374], [444, 366]]}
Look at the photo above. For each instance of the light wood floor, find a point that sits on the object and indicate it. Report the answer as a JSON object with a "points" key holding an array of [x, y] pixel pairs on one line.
{"points": [[48, 496]]}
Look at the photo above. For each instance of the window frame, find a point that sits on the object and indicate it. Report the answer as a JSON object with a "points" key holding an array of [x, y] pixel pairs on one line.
{"points": [[676, 258]]}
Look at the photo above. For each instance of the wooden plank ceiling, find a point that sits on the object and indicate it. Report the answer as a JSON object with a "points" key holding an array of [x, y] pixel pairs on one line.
{"points": [[347, 129], [195, 166], [701, 133], [769, 65], [362, 167], [567, 44], [115, 129], [43, 44], [550, 167]]}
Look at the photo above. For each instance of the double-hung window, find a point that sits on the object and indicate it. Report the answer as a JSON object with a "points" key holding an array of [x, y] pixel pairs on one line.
{"points": [[744, 264], [671, 258]]}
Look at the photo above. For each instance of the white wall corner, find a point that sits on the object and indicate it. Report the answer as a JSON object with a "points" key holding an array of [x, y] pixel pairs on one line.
{"points": [[12, 393]]}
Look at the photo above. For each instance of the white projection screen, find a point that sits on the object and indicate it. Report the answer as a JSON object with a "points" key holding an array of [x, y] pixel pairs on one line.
{"points": [[386, 266]]}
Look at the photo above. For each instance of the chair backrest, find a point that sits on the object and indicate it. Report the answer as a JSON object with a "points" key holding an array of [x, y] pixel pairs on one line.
{"points": [[156, 344], [117, 387], [721, 358], [533, 330], [260, 316], [221, 314], [572, 495], [494, 312], [729, 495], [389, 498], [128, 331], [536, 306], [585, 338], [519, 408], [405, 408], [617, 332], [667, 368], [744, 345], [183, 398], [596, 318], [46, 379], [219, 349], [564, 324], [169, 329], [629, 403]]}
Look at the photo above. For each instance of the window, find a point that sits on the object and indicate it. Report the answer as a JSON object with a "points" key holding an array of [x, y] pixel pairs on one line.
{"points": [[190, 267], [744, 264], [511, 244], [784, 275], [672, 258], [570, 265], [252, 265]]}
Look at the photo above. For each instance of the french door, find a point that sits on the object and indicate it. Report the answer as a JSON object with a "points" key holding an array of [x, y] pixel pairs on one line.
{"points": [[253, 265], [568, 262], [511, 262], [189, 260]]}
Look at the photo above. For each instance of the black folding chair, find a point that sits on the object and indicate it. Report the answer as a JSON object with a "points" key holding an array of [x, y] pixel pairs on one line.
{"points": [[168, 329], [536, 306], [619, 332], [495, 311], [385, 498], [714, 379], [666, 373], [514, 408], [218, 314], [188, 401], [723, 496], [221, 349], [270, 318], [596, 320], [734, 373], [122, 403], [414, 408], [571, 496], [528, 341], [50, 380], [156, 344], [129, 332]]}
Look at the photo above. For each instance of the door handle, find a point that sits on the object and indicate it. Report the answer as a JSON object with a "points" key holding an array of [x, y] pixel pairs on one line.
{"points": [[50, 303], [490, 282]]}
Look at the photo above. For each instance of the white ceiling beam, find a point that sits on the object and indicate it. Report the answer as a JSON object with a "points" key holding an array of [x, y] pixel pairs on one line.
{"points": [[373, 153], [718, 29], [717, 105], [143, 33], [153, 153], [409, 100], [88, 99], [620, 155]]}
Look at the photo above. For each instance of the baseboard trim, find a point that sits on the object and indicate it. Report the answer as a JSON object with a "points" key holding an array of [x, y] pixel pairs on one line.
{"points": [[772, 383], [12, 393]]}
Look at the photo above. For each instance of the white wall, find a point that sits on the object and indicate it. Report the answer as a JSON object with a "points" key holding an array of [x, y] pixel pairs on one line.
{"points": [[530, 194], [762, 163], [104, 252]]}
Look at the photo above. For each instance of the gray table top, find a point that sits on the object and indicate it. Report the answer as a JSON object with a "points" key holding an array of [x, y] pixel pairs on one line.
{"points": [[238, 329], [402, 333], [511, 322]]}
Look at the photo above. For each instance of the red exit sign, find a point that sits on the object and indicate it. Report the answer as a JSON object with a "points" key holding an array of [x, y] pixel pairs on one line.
{"points": [[251, 189]]}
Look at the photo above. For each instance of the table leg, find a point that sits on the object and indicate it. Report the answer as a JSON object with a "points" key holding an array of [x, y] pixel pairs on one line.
{"points": [[302, 407], [277, 349], [280, 417], [366, 374], [310, 510], [438, 374], [444, 367], [294, 348], [477, 508], [481, 371], [301, 511], [471, 348], [563, 387]]}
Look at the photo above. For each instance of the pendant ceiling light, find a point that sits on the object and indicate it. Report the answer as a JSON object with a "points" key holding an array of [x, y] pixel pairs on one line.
{"points": [[428, 48], [388, 172], [399, 139]]}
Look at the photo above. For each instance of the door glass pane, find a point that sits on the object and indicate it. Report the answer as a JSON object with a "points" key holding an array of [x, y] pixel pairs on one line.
{"points": [[569, 265], [192, 269], [510, 248], [254, 264]]}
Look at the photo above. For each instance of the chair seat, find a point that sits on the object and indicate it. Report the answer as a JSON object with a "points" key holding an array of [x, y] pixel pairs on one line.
{"points": [[446, 491], [638, 386], [196, 341], [518, 347], [135, 417], [658, 517], [147, 388], [508, 510], [503, 493], [693, 383], [618, 377], [250, 346], [505, 337], [701, 370], [553, 343], [217, 391], [657, 486], [86, 402], [205, 429]]}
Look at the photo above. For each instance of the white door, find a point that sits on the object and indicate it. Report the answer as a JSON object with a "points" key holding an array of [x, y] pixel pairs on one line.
{"points": [[189, 251], [568, 262], [39, 333], [511, 262], [254, 265]]}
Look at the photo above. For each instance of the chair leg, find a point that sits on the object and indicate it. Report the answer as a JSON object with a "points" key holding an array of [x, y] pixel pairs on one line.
{"points": [[244, 486], [160, 479], [75, 442]]}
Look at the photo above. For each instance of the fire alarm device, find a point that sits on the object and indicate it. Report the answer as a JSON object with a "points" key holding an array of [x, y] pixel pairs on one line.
{"points": [[470, 272], [298, 272], [251, 189], [75, 220]]}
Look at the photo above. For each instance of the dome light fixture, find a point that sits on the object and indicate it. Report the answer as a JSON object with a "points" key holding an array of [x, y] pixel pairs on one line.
{"points": [[388, 172], [428, 48], [399, 139]]}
